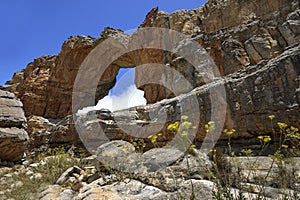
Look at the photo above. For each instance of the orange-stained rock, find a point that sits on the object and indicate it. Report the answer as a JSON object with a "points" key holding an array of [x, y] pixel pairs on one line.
{"points": [[47, 84]]}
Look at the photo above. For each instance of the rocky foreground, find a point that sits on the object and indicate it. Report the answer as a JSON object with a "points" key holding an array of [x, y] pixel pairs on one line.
{"points": [[187, 175], [247, 108]]}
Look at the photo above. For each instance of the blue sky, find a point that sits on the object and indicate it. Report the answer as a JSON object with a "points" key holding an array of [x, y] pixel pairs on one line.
{"points": [[32, 28]]}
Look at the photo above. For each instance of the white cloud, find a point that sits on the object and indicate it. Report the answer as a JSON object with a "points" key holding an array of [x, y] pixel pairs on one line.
{"points": [[129, 98]]}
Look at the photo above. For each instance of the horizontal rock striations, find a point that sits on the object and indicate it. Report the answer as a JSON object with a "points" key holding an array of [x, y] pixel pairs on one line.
{"points": [[13, 135]]}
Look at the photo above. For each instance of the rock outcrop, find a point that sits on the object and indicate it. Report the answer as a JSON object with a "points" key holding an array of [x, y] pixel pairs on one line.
{"points": [[185, 177], [250, 96], [13, 135], [236, 34], [55, 133], [217, 15], [14, 82], [269, 88]]}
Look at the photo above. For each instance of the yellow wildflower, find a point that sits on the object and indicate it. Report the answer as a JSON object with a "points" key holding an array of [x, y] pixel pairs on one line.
{"points": [[186, 125], [153, 139], [184, 117], [260, 137], [229, 132], [210, 126], [267, 139], [271, 117], [173, 127], [247, 151], [284, 146], [212, 150], [294, 129], [206, 126], [282, 125]]}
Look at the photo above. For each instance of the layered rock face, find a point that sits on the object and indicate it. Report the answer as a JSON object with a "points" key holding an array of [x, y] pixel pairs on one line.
{"points": [[236, 34], [251, 95], [216, 15], [13, 135], [270, 88]]}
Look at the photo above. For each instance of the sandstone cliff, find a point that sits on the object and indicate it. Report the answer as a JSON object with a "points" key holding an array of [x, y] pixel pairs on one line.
{"points": [[237, 34], [254, 46]]}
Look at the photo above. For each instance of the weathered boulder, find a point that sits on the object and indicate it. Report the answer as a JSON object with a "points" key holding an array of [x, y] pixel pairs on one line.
{"points": [[13, 135], [36, 123], [46, 133]]}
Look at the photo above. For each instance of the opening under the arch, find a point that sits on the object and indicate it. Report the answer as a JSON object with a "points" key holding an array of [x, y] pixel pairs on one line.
{"points": [[124, 94]]}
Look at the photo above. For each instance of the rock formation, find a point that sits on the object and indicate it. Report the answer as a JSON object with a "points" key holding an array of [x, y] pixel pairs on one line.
{"points": [[248, 71], [236, 34], [254, 47], [179, 178], [246, 34], [13, 135], [270, 88], [47, 84]]}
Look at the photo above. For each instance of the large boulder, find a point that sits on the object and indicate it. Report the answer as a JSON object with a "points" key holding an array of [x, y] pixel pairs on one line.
{"points": [[13, 135]]}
